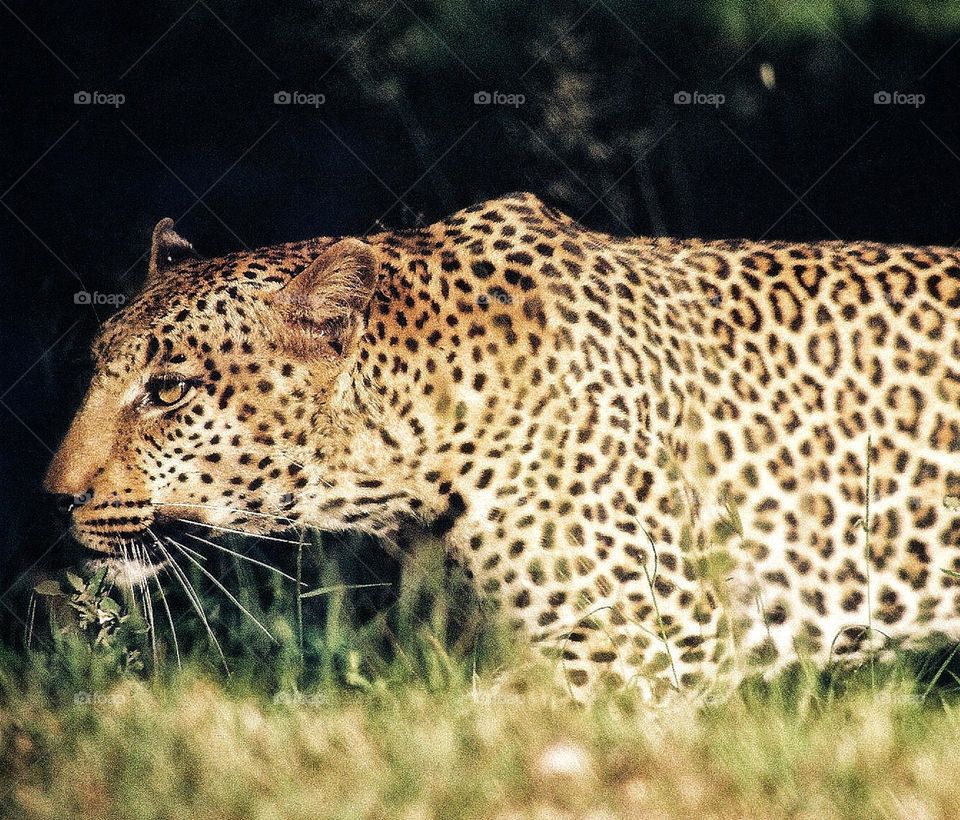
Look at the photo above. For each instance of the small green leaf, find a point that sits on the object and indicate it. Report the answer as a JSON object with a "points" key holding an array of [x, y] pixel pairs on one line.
{"points": [[76, 581], [94, 586], [107, 604], [49, 588]]}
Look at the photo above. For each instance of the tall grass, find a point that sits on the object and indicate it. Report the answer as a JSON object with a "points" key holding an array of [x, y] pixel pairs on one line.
{"points": [[389, 692], [338, 613]]}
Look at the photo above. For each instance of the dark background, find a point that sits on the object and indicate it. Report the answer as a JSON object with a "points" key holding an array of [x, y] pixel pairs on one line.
{"points": [[399, 139]]}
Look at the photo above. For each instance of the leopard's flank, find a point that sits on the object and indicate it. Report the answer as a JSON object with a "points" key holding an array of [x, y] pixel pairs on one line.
{"points": [[669, 462]]}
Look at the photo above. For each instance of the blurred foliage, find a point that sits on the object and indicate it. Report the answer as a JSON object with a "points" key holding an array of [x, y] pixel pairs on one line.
{"points": [[810, 19], [362, 621]]}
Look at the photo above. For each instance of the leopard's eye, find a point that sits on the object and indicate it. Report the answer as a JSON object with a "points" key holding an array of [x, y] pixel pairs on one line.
{"points": [[168, 390]]}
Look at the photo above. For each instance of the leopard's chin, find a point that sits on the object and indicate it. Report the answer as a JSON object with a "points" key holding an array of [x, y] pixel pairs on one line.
{"points": [[126, 572], [130, 560]]}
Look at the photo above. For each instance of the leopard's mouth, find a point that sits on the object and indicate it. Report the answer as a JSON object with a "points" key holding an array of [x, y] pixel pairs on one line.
{"points": [[132, 558]]}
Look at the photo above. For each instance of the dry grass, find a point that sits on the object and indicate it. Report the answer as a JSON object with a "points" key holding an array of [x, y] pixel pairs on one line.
{"points": [[194, 747]]}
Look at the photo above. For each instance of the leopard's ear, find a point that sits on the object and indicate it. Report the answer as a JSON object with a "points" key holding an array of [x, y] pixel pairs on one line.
{"points": [[167, 248], [321, 308]]}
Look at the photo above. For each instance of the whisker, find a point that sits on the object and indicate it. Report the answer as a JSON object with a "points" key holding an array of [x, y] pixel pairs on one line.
{"points": [[221, 528], [163, 599], [241, 555], [225, 591], [176, 570], [126, 568], [131, 586], [191, 593], [300, 531], [140, 553], [193, 552]]}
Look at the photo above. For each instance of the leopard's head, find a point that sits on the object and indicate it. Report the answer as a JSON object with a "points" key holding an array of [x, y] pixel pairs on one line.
{"points": [[227, 395]]}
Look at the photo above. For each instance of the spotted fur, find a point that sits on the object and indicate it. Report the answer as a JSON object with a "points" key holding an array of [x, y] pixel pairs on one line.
{"points": [[651, 454]]}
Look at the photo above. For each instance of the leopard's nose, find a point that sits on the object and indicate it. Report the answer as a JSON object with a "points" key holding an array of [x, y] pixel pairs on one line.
{"points": [[64, 504]]}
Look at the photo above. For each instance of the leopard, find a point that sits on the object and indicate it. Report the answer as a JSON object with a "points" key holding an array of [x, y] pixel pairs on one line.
{"points": [[667, 463]]}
